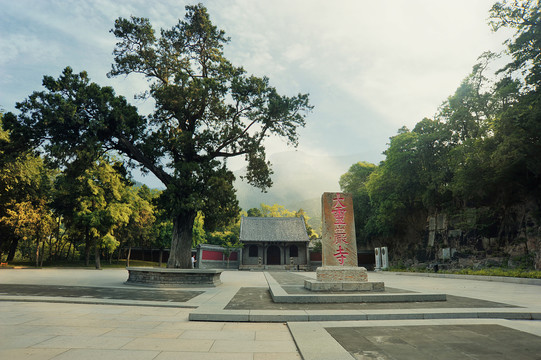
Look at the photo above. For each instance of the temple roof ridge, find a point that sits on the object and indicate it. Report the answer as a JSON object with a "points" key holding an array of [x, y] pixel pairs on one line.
{"points": [[273, 229]]}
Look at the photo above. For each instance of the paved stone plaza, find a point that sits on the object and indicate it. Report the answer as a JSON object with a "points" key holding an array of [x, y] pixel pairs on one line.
{"points": [[88, 314]]}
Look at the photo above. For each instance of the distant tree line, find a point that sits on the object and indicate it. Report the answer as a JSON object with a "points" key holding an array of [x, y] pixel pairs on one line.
{"points": [[276, 210], [477, 163], [50, 215]]}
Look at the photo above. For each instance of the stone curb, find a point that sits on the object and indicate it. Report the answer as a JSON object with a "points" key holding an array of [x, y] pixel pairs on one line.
{"points": [[344, 315], [279, 295], [315, 343], [215, 312], [92, 301]]}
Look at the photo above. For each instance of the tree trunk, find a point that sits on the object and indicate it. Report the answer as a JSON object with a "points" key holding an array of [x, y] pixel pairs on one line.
{"points": [[37, 253], [87, 247], [128, 257], [97, 255], [61, 244], [42, 255], [72, 246], [60, 249], [13, 248], [51, 249], [68, 251], [181, 243]]}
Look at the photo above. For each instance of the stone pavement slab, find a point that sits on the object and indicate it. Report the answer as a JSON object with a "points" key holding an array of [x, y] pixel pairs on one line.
{"points": [[294, 292], [37, 330], [260, 299], [418, 339], [33, 329], [461, 341], [256, 303], [94, 292], [92, 354]]}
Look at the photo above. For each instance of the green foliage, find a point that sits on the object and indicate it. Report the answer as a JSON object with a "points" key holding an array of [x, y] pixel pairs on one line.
{"points": [[394, 188], [143, 228], [114, 264], [225, 238], [275, 211], [318, 247], [520, 273], [25, 183], [354, 182], [90, 204], [73, 120], [162, 230], [98, 202], [109, 243], [206, 110], [312, 234], [199, 235], [525, 46], [226, 235], [355, 179], [477, 161], [254, 212], [490, 271]]}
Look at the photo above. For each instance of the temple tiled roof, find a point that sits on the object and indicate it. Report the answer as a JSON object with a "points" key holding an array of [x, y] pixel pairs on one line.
{"points": [[273, 229]]}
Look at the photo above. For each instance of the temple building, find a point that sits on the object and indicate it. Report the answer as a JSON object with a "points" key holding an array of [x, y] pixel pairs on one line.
{"points": [[272, 242]]}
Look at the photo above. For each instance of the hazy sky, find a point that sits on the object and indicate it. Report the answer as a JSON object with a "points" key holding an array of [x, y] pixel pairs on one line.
{"points": [[370, 67]]}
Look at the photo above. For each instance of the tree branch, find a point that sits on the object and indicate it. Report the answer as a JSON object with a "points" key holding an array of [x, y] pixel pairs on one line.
{"points": [[134, 153]]}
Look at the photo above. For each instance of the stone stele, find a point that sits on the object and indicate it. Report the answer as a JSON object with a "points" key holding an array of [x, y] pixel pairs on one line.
{"points": [[340, 271], [339, 245]]}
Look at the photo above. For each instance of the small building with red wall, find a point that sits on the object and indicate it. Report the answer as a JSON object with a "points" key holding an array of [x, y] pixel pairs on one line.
{"points": [[216, 257]]}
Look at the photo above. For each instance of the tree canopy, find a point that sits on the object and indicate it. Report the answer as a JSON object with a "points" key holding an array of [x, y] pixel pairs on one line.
{"points": [[477, 161], [206, 111]]}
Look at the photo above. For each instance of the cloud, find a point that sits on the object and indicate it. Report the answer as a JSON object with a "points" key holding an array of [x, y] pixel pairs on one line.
{"points": [[370, 66], [402, 59], [27, 48]]}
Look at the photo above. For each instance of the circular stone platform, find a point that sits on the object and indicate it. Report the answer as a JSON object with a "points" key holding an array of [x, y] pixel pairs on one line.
{"points": [[165, 277]]}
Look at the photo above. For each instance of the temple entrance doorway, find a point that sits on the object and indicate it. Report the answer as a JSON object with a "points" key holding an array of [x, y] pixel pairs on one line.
{"points": [[273, 255]]}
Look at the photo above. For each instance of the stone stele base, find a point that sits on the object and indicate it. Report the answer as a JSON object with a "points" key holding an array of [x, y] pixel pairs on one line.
{"points": [[342, 278], [164, 277]]}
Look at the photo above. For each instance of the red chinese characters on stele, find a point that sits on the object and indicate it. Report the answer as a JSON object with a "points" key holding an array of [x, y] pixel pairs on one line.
{"points": [[340, 235], [338, 244]]}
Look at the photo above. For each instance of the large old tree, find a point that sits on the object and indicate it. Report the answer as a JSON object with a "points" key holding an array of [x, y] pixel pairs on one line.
{"points": [[206, 110]]}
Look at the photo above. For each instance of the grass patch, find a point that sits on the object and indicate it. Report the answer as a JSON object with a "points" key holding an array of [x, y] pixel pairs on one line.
{"points": [[493, 271], [530, 274]]}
